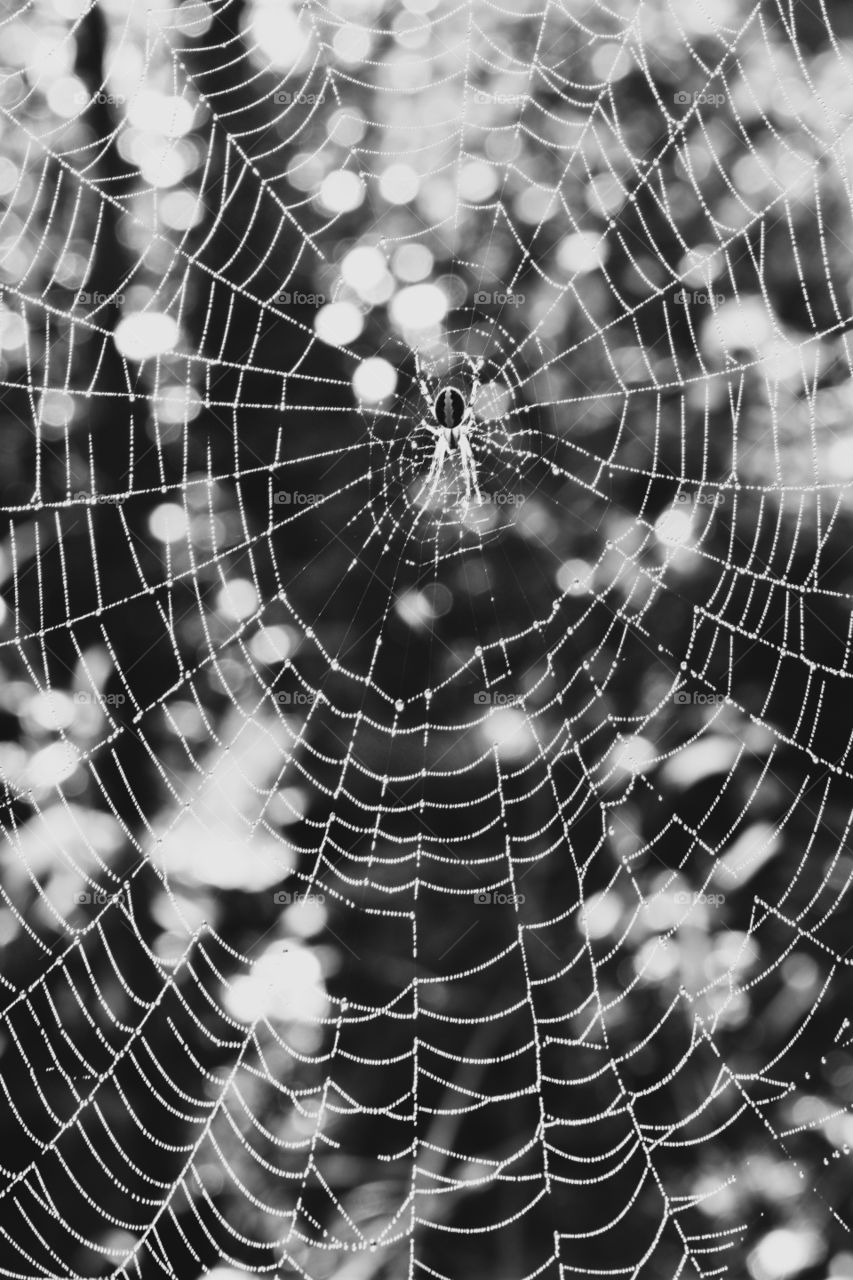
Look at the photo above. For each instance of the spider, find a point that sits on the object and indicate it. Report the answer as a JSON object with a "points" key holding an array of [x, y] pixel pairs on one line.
{"points": [[453, 420]]}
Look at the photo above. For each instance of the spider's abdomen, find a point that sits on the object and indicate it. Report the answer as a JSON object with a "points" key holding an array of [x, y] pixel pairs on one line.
{"points": [[450, 408]]}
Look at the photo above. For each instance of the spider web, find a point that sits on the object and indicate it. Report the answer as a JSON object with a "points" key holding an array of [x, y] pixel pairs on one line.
{"points": [[398, 883]]}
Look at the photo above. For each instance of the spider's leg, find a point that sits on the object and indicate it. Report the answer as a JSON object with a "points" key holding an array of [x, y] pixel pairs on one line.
{"points": [[469, 468], [436, 465], [441, 451], [425, 391], [460, 465]]}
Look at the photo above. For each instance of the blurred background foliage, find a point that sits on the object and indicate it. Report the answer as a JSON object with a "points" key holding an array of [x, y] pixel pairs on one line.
{"points": [[206, 1072]]}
